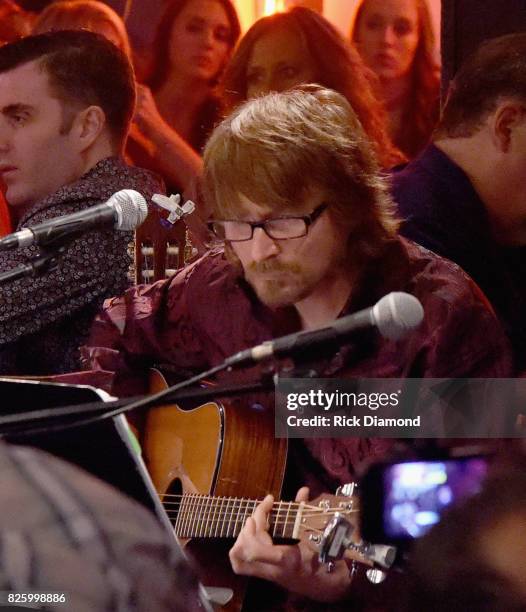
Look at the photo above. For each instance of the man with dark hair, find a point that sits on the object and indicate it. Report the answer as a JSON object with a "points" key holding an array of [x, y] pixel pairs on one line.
{"points": [[464, 196], [309, 235], [66, 100]]}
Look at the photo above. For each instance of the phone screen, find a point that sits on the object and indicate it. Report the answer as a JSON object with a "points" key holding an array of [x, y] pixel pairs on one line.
{"points": [[416, 493]]}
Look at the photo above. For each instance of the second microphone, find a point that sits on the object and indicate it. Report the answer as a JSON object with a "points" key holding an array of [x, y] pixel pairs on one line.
{"points": [[125, 210]]}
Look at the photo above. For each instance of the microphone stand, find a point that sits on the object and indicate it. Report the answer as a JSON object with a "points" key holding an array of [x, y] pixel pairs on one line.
{"points": [[34, 421], [41, 264], [40, 421], [45, 420]]}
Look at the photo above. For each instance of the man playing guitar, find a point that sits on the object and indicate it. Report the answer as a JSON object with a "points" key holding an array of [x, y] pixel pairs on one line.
{"points": [[308, 235]]}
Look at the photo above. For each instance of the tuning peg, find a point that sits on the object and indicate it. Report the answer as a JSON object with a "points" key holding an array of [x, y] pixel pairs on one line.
{"points": [[375, 576], [347, 490], [381, 554], [324, 504], [336, 539]]}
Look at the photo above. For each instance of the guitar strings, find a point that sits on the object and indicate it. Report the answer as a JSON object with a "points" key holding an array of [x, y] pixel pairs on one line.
{"points": [[310, 514], [222, 514], [196, 514], [232, 504], [236, 525], [222, 521]]}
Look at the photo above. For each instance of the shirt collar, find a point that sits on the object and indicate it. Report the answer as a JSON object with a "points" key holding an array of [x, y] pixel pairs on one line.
{"points": [[102, 167]]}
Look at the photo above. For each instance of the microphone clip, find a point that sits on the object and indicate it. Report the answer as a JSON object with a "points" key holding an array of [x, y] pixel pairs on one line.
{"points": [[171, 204], [45, 262]]}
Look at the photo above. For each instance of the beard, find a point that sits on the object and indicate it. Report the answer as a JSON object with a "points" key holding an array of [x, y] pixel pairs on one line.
{"points": [[279, 284]]}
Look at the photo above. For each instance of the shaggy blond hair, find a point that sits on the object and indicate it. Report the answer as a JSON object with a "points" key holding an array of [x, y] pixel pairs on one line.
{"points": [[273, 149]]}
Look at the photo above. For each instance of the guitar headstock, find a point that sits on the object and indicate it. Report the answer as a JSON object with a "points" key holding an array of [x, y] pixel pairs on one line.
{"points": [[330, 524], [314, 517]]}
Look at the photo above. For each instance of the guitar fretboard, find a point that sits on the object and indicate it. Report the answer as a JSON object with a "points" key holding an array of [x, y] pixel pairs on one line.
{"points": [[202, 516]]}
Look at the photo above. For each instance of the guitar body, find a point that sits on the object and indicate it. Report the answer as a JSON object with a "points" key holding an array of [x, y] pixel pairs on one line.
{"points": [[223, 449]]}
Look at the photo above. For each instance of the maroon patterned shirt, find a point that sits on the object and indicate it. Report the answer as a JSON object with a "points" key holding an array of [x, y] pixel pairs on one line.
{"points": [[207, 312]]}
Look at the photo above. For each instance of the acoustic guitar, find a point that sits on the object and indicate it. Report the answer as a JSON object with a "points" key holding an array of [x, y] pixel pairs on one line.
{"points": [[211, 466]]}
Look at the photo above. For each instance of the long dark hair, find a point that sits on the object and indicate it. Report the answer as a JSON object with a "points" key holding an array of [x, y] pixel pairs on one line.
{"points": [[161, 55], [337, 64], [421, 114]]}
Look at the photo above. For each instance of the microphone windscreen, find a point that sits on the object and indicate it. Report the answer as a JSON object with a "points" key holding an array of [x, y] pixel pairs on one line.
{"points": [[131, 209], [396, 314]]}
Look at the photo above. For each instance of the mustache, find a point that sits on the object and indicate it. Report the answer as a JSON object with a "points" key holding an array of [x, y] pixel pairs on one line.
{"points": [[273, 266]]}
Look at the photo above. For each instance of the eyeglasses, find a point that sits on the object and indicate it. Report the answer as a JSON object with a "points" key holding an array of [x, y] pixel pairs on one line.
{"points": [[280, 228]]}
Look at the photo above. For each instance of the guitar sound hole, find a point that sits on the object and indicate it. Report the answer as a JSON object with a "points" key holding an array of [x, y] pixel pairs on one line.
{"points": [[175, 488]]}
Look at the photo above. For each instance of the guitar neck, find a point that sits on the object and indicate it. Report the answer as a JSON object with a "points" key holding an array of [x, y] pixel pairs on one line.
{"points": [[201, 516]]}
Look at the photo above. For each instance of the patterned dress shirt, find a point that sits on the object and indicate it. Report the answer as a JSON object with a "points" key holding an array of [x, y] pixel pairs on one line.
{"points": [[44, 320], [206, 313]]}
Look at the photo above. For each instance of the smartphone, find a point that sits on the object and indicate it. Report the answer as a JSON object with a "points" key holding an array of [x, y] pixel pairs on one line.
{"points": [[401, 501]]}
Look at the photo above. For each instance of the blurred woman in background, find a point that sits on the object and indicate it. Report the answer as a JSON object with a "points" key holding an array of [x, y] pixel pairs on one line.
{"points": [[179, 108], [14, 21], [88, 14], [300, 46], [395, 39]]}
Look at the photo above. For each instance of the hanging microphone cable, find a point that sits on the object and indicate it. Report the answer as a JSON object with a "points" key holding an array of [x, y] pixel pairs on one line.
{"points": [[394, 315]]}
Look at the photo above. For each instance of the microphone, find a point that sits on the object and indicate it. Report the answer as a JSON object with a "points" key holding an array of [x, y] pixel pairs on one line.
{"points": [[394, 315], [125, 210]]}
